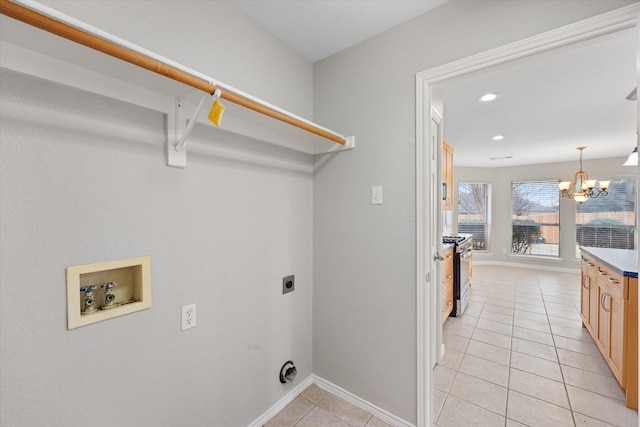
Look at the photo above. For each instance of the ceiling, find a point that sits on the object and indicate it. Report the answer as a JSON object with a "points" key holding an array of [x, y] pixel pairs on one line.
{"points": [[548, 105], [319, 28]]}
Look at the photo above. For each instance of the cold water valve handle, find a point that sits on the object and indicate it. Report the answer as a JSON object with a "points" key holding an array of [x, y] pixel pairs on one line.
{"points": [[89, 300]]}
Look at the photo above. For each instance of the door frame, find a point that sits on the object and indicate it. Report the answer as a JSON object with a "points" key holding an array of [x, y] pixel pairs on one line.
{"points": [[427, 310]]}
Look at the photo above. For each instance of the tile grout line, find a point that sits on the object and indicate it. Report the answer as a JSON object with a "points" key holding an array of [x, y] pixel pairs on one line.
{"points": [[555, 348]]}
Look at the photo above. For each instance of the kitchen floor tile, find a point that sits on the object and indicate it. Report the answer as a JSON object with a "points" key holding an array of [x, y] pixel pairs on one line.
{"points": [[522, 314], [457, 328], [584, 421], [532, 324], [539, 387], [508, 303], [601, 408], [560, 321], [502, 318], [586, 348], [531, 335], [438, 402], [443, 377], [493, 338], [507, 311], [537, 366], [452, 359], [572, 314], [485, 369], [480, 392], [489, 352], [577, 334], [455, 342], [577, 360], [490, 325], [605, 385], [458, 413], [542, 351], [529, 307], [534, 412]]}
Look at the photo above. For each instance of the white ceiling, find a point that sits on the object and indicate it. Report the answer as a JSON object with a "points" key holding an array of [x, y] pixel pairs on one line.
{"points": [[548, 106], [319, 28]]}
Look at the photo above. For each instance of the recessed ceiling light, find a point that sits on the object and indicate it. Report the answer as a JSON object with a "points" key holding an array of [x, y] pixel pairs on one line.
{"points": [[501, 158], [488, 97], [498, 137]]}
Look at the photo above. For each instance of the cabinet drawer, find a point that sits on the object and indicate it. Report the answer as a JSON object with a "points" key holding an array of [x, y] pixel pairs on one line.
{"points": [[612, 277]]}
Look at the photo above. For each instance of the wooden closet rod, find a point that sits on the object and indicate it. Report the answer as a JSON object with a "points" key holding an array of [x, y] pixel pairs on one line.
{"points": [[46, 23]]}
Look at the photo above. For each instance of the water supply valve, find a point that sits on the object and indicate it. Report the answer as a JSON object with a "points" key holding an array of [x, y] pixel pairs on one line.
{"points": [[89, 300]]}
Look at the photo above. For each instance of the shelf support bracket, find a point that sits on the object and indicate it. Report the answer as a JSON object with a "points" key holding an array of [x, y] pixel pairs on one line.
{"points": [[177, 137]]}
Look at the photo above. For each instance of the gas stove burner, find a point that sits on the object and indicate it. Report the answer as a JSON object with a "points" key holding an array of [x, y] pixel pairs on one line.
{"points": [[453, 239]]}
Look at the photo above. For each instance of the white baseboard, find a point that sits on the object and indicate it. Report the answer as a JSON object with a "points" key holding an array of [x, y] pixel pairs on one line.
{"points": [[529, 266], [279, 406], [361, 403], [338, 391]]}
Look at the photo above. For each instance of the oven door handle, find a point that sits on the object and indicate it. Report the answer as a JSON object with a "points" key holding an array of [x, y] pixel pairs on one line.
{"points": [[467, 254]]}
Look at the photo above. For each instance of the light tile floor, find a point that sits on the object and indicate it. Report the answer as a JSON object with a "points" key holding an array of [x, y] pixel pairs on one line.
{"points": [[315, 407], [520, 357], [517, 357]]}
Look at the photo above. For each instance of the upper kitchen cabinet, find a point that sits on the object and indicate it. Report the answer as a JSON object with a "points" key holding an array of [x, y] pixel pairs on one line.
{"points": [[447, 176]]}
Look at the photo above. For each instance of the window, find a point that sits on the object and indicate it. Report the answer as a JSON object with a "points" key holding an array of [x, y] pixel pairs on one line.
{"points": [[609, 221], [535, 218], [473, 212]]}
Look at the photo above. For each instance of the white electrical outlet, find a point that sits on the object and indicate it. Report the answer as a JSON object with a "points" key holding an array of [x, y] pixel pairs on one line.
{"points": [[188, 316]]}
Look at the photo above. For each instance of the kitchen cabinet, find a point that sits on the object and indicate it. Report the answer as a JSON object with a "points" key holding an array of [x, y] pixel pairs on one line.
{"points": [[609, 311], [589, 292], [447, 176], [447, 283]]}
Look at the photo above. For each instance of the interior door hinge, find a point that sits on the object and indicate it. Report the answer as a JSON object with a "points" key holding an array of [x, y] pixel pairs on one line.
{"points": [[428, 277]]}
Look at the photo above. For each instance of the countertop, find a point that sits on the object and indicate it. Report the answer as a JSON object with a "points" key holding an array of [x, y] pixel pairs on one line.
{"points": [[624, 261]]}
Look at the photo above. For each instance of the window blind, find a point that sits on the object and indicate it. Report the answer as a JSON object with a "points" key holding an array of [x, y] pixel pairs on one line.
{"points": [[473, 212], [608, 221], [535, 218]]}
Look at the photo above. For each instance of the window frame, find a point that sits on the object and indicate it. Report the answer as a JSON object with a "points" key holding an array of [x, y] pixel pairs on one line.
{"points": [[526, 247], [487, 212]]}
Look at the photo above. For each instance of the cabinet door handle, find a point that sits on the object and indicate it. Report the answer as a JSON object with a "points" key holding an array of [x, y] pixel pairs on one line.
{"points": [[603, 302], [584, 282]]}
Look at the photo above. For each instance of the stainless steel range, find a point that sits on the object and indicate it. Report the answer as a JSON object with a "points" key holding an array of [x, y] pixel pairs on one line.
{"points": [[462, 264]]}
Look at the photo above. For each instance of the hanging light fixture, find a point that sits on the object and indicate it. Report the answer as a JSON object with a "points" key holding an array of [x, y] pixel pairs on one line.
{"points": [[582, 188]]}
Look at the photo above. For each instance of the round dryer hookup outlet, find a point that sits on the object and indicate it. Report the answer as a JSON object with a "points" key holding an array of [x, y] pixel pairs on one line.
{"points": [[288, 372]]}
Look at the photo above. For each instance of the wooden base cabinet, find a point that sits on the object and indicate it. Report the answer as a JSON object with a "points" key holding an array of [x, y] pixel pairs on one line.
{"points": [[447, 284], [609, 311]]}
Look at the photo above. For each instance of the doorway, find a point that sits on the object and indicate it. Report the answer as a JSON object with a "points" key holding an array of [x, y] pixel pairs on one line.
{"points": [[428, 147]]}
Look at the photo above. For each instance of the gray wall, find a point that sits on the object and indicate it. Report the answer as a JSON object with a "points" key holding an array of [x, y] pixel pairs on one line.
{"points": [[501, 179], [83, 179], [364, 256]]}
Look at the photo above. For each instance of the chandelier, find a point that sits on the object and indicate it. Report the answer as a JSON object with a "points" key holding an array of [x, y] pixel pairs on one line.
{"points": [[582, 188]]}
